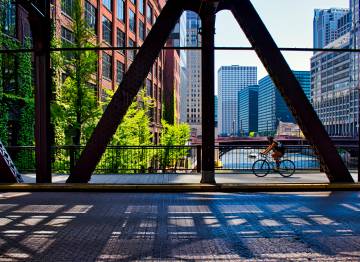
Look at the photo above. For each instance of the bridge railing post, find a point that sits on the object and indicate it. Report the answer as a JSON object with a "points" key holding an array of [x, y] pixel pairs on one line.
{"points": [[198, 158]]}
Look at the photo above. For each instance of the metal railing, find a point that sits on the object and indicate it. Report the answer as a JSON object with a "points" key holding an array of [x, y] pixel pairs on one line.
{"points": [[241, 158], [171, 159], [116, 159]]}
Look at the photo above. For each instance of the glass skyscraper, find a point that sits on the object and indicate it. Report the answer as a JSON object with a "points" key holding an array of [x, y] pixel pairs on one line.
{"points": [[248, 109], [231, 80], [272, 107], [328, 25]]}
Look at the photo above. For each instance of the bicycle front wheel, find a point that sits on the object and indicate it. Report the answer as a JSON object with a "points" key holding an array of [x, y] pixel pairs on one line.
{"points": [[287, 168], [261, 168]]}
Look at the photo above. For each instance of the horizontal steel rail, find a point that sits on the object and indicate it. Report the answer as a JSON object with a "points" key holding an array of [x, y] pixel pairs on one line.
{"points": [[218, 48], [171, 159]]}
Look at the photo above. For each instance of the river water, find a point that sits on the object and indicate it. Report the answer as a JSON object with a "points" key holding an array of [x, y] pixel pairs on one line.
{"points": [[244, 159]]}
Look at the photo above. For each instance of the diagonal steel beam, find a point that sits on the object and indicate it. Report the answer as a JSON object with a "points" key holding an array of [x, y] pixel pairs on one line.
{"points": [[126, 92], [290, 89], [8, 171]]}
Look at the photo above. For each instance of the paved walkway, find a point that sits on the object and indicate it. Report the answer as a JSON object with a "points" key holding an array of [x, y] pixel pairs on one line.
{"points": [[300, 177], [180, 227]]}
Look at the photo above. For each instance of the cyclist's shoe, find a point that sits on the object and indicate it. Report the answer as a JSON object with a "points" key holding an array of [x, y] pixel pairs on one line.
{"points": [[277, 169]]}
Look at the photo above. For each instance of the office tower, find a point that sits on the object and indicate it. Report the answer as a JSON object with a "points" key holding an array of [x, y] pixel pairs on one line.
{"points": [[355, 43], [231, 80], [335, 81], [193, 66], [216, 111], [248, 110], [327, 26], [271, 105]]}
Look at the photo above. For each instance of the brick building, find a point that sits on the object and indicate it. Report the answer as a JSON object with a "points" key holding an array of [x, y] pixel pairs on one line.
{"points": [[172, 85], [118, 23]]}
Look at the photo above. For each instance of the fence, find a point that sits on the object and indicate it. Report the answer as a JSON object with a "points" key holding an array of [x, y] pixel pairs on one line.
{"points": [[241, 158], [174, 159], [116, 159]]}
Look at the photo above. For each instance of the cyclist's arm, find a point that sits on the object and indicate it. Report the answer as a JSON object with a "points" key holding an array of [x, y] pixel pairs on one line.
{"points": [[268, 149]]}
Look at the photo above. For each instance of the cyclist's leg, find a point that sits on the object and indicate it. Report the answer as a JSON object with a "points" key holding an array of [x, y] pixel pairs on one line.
{"points": [[277, 156]]}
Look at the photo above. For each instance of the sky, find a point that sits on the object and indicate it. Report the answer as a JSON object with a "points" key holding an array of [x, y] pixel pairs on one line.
{"points": [[288, 21]]}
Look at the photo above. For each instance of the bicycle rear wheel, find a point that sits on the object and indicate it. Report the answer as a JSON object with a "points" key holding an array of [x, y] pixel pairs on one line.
{"points": [[287, 168], [261, 168]]}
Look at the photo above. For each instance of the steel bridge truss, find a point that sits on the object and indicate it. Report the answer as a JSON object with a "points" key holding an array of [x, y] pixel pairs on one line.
{"points": [[267, 51]]}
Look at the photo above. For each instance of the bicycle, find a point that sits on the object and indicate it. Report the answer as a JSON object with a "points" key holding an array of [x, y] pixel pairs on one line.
{"points": [[263, 166]]}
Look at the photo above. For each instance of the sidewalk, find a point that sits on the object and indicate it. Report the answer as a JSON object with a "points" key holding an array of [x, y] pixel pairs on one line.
{"points": [[165, 179]]}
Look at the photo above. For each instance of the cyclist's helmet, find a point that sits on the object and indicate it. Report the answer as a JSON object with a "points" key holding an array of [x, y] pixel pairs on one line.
{"points": [[270, 139]]}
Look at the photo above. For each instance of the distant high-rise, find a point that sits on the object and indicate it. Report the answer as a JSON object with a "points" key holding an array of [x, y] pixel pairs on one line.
{"points": [[231, 80], [355, 43], [335, 79], [175, 78], [193, 70], [216, 111], [248, 109], [272, 107], [329, 24]]}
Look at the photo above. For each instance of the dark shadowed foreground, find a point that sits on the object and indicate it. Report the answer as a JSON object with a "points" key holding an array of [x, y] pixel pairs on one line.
{"points": [[185, 226]]}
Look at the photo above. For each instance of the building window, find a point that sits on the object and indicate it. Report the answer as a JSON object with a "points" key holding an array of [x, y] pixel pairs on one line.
{"points": [[8, 22], [106, 30], [90, 15], [107, 4], [120, 37], [121, 10], [120, 69], [141, 6], [106, 66], [132, 21], [131, 52], [149, 88], [149, 13], [67, 37], [141, 30], [67, 6], [67, 40]]}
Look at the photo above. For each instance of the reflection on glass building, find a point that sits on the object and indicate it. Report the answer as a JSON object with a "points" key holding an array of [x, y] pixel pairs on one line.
{"points": [[272, 108]]}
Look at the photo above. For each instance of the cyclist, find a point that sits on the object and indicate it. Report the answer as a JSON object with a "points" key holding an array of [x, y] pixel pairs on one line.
{"points": [[277, 148]]}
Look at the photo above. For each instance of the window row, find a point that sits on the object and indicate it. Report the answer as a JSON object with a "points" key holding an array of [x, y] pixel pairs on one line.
{"points": [[67, 6], [121, 8], [120, 68]]}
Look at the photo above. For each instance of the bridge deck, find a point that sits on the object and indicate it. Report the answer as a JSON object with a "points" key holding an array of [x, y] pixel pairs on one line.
{"points": [[163, 179]]}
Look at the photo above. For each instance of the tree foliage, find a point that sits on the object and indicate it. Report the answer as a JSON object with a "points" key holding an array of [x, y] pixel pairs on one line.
{"points": [[75, 110], [133, 134], [173, 135]]}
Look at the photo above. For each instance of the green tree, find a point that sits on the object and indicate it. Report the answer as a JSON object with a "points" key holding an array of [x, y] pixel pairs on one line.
{"points": [[75, 110], [134, 131], [172, 136]]}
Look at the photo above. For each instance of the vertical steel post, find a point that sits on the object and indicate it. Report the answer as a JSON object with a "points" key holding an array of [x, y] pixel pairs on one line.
{"points": [[198, 158], [41, 32], [207, 93]]}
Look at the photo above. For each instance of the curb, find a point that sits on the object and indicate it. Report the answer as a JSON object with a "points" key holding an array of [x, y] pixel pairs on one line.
{"points": [[166, 188]]}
